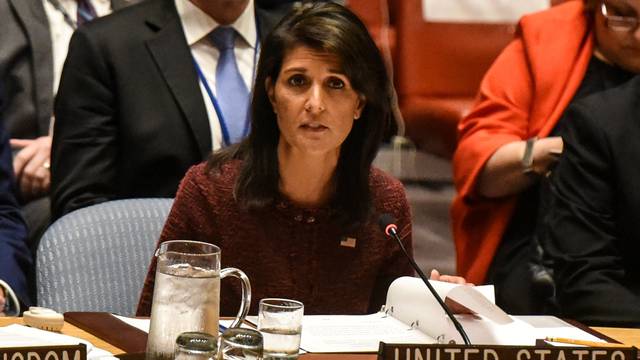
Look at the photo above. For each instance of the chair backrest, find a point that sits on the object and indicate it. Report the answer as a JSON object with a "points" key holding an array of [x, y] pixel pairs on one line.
{"points": [[376, 16], [438, 68], [444, 59], [96, 258]]}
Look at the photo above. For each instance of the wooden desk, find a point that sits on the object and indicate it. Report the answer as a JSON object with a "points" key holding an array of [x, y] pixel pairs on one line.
{"points": [[626, 336], [629, 337], [71, 330]]}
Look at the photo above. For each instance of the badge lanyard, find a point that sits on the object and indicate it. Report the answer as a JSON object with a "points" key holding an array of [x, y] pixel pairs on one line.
{"points": [[216, 106]]}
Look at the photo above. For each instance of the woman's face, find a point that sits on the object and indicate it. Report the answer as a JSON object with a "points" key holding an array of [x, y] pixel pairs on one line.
{"points": [[620, 47], [314, 102]]}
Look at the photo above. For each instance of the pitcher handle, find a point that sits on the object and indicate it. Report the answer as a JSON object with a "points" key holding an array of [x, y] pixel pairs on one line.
{"points": [[246, 293]]}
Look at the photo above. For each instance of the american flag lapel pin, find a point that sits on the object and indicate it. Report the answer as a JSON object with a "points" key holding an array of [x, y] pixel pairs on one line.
{"points": [[348, 242]]}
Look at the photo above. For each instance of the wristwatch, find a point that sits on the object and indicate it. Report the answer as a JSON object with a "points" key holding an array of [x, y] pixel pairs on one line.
{"points": [[527, 157]]}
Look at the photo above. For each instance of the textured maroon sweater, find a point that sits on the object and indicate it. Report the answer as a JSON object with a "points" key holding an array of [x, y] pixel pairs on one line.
{"points": [[288, 251]]}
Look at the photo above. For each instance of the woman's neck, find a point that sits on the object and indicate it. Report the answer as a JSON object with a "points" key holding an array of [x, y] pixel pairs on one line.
{"points": [[306, 179]]}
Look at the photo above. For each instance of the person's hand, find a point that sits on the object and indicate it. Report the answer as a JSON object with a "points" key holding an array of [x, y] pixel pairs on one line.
{"points": [[2, 301], [31, 166], [435, 275], [546, 152], [504, 174]]}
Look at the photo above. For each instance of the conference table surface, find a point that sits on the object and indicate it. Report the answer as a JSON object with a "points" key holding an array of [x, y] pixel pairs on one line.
{"points": [[629, 337]]}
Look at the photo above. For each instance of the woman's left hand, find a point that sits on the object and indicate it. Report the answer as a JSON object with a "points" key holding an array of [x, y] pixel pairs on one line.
{"points": [[435, 275]]}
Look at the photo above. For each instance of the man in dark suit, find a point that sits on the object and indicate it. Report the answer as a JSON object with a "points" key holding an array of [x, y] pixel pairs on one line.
{"points": [[34, 35], [132, 113], [592, 228], [15, 257]]}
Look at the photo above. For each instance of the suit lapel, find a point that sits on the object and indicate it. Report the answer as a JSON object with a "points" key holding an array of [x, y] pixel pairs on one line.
{"points": [[172, 55], [34, 18]]}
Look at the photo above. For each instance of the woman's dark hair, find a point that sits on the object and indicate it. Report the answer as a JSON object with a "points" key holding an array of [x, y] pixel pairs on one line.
{"points": [[332, 29]]}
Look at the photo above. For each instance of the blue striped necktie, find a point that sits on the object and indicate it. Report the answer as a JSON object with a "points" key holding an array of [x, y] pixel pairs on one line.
{"points": [[231, 91], [86, 12]]}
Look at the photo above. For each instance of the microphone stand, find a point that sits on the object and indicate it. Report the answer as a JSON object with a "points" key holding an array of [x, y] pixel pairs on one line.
{"points": [[390, 229]]}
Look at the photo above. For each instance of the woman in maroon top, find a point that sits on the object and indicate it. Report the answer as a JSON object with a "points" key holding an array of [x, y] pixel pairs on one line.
{"points": [[295, 205]]}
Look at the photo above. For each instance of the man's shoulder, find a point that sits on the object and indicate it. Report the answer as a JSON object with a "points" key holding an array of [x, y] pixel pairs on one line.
{"points": [[130, 22], [625, 96], [270, 16], [613, 105], [606, 117]]}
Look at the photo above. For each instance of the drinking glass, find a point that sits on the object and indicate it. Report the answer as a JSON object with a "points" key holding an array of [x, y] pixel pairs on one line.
{"points": [[186, 296], [196, 346], [239, 344], [280, 322]]}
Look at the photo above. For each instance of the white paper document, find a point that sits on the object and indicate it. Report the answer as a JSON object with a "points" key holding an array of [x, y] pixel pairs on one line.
{"points": [[140, 324], [551, 326], [410, 301], [19, 335], [356, 333], [362, 333], [143, 324], [412, 315]]}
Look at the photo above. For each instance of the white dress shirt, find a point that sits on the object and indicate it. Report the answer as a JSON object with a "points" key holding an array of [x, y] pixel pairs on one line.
{"points": [[61, 31], [197, 26]]}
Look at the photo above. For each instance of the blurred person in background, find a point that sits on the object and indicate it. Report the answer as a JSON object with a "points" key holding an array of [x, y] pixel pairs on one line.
{"points": [[34, 37], [15, 257], [591, 229], [150, 91], [512, 138]]}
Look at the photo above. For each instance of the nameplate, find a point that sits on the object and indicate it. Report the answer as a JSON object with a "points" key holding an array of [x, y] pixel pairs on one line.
{"points": [[501, 352], [59, 352]]}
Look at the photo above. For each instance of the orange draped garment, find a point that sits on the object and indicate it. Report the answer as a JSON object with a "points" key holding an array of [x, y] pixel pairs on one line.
{"points": [[524, 94]]}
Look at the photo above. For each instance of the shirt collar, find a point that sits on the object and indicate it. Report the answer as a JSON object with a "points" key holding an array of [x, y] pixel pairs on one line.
{"points": [[197, 24]]}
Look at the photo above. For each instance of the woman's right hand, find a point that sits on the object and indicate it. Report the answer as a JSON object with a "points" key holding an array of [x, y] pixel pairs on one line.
{"points": [[455, 307], [435, 275]]}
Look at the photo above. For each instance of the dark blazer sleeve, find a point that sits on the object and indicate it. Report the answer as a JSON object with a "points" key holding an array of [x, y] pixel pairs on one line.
{"points": [[84, 152], [15, 257], [580, 230]]}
